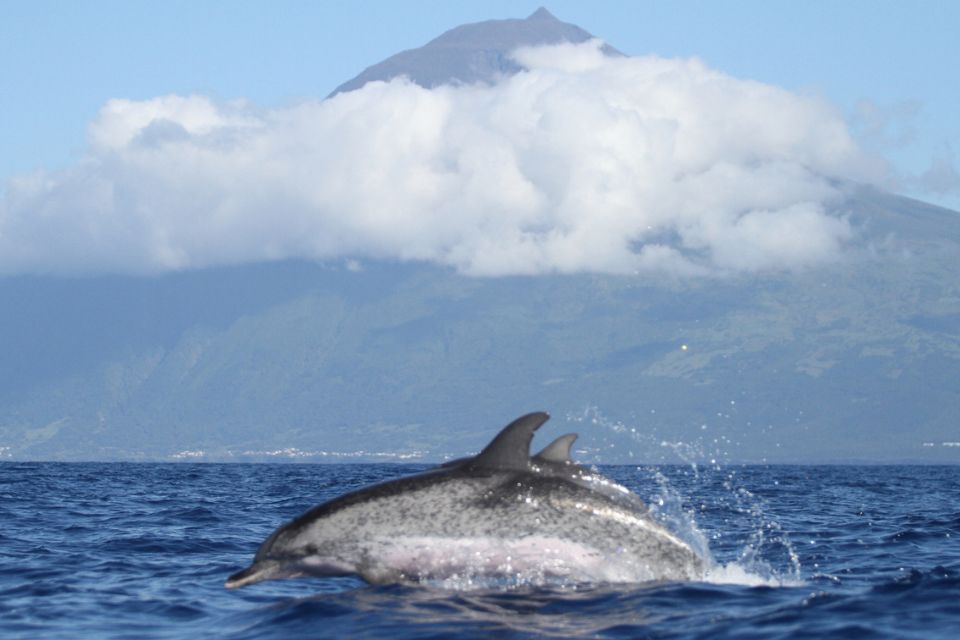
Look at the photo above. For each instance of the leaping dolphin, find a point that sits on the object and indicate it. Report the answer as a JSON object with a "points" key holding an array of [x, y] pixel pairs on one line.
{"points": [[501, 513]]}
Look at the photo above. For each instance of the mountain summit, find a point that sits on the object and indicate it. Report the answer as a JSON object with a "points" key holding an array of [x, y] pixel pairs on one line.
{"points": [[477, 52]]}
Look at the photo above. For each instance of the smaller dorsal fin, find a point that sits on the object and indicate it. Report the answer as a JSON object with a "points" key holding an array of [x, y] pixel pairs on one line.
{"points": [[511, 448], [558, 450]]}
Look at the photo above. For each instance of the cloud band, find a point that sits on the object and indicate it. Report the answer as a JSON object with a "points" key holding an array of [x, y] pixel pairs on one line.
{"points": [[581, 163]]}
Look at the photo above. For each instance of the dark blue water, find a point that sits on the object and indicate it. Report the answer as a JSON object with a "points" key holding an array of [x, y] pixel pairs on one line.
{"points": [[142, 550]]}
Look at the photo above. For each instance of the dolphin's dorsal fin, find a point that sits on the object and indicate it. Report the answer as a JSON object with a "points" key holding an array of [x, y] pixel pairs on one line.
{"points": [[511, 448], [558, 450]]}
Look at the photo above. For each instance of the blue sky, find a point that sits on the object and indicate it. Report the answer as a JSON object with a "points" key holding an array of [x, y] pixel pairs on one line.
{"points": [[890, 67]]}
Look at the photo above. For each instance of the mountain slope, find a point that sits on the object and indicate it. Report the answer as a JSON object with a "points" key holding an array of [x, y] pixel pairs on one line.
{"points": [[854, 361]]}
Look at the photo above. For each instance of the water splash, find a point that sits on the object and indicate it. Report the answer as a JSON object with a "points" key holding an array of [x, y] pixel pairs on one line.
{"points": [[765, 553], [768, 543], [668, 508]]}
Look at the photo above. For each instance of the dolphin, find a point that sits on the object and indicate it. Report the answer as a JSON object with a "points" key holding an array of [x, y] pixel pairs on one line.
{"points": [[500, 514]]}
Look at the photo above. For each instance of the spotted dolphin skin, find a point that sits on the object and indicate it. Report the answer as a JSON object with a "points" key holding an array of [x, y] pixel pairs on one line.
{"points": [[502, 513]]}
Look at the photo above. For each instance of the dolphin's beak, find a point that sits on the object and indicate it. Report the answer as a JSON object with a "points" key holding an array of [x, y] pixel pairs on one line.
{"points": [[257, 572]]}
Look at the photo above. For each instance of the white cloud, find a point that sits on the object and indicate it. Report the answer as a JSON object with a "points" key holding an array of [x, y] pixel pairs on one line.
{"points": [[581, 163]]}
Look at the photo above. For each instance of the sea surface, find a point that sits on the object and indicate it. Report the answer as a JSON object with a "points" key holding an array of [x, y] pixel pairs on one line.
{"points": [[142, 550]]}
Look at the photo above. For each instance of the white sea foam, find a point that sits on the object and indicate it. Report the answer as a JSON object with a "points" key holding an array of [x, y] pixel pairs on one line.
{"points": [[735, 573]]}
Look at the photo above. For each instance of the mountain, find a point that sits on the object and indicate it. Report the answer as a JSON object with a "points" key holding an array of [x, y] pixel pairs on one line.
{"points": [[471, 53], [854, 360]]}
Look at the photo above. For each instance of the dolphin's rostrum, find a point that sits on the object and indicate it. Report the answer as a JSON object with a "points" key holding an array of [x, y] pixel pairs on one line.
{"points": [[501, 513]]}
